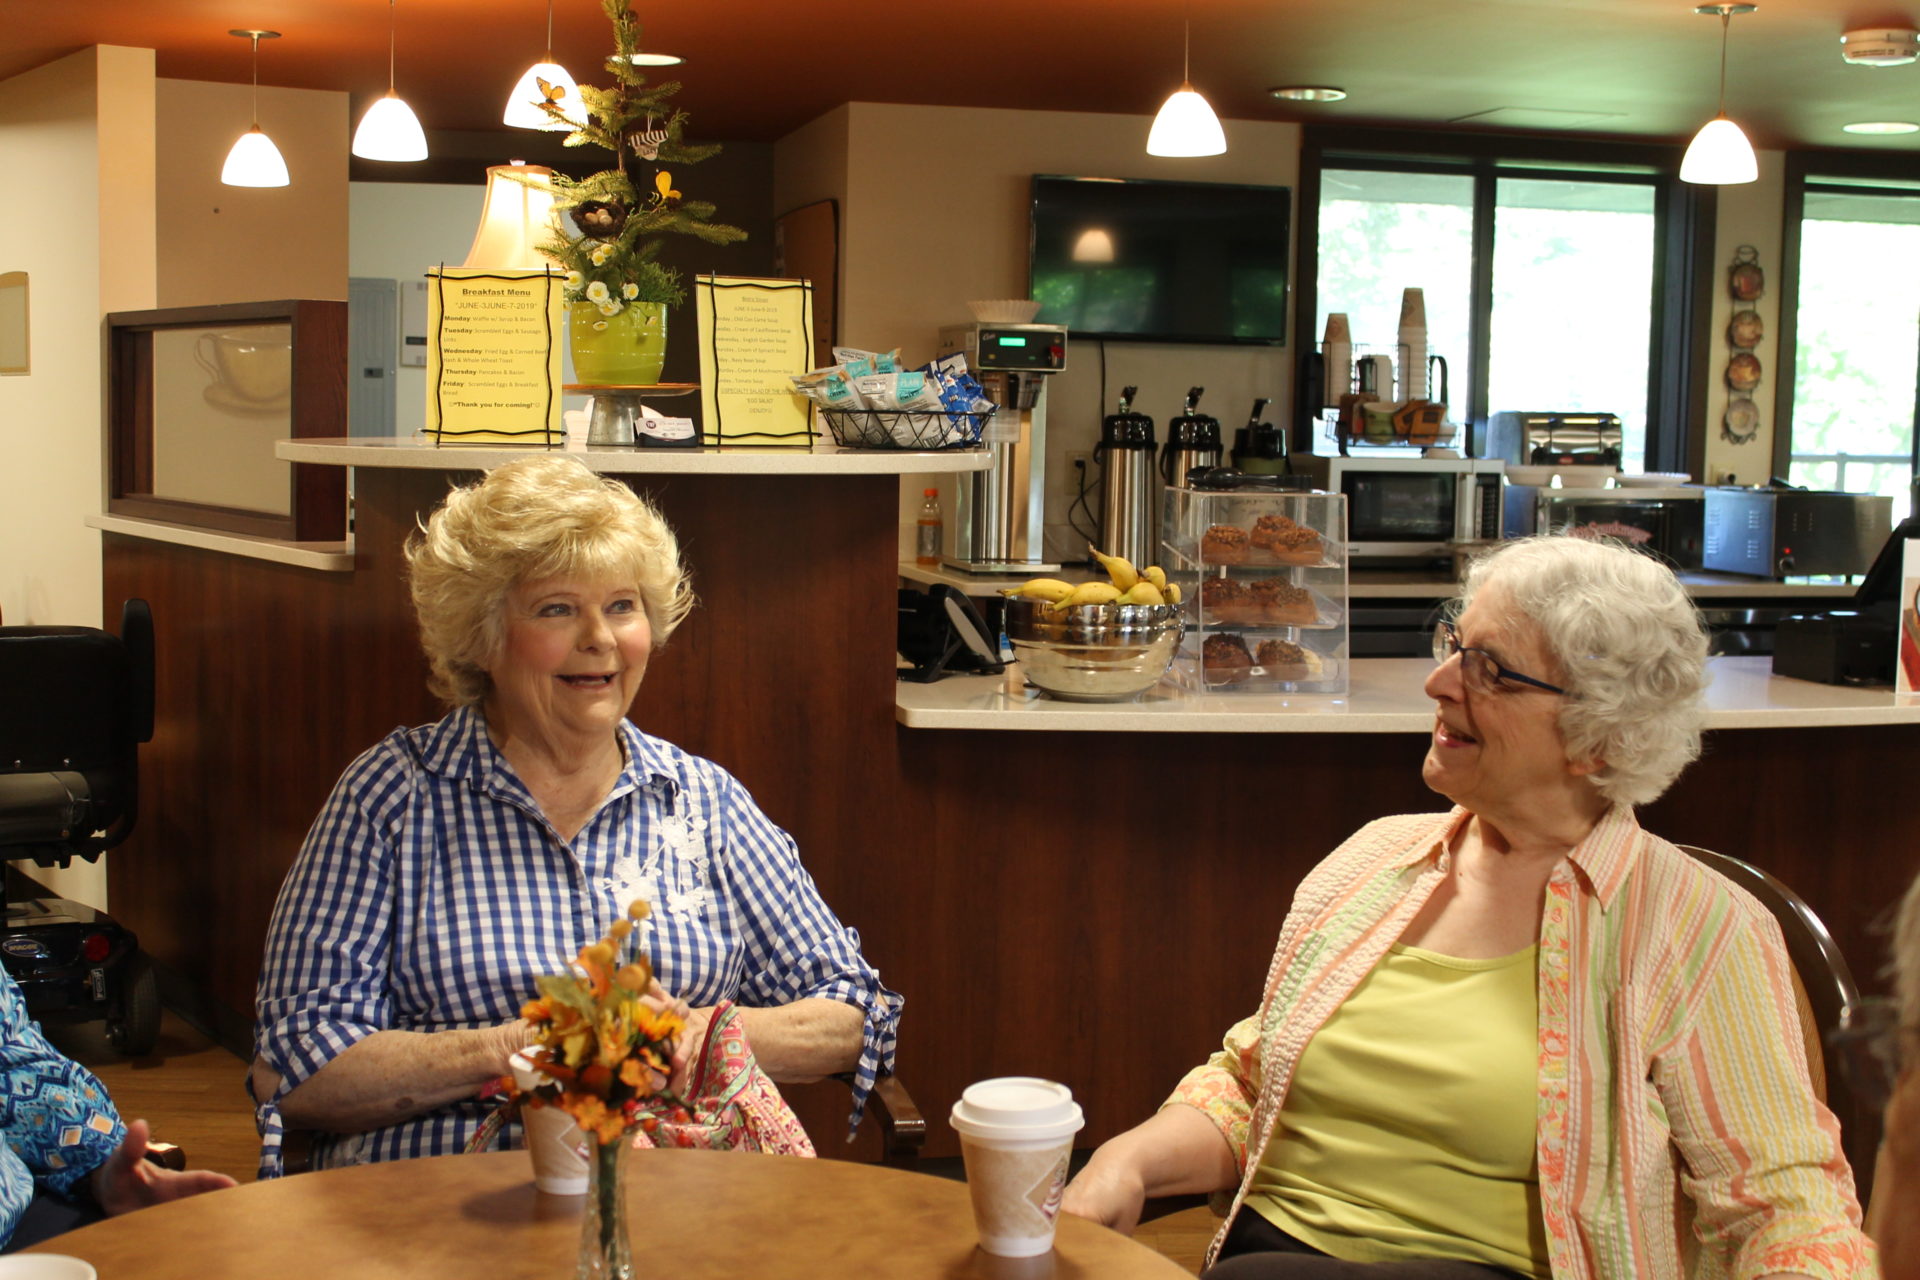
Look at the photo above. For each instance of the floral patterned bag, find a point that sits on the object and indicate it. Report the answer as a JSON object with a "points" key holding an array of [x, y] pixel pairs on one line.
{"points": [[736, 1106]]}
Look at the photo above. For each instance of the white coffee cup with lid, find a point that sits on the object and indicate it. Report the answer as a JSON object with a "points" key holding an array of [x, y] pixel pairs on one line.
{"points": [[1016, 1134], [554, 1141]]}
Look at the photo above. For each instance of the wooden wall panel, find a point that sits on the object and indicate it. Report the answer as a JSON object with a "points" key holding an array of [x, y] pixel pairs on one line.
{"points": [[1097, 908]]}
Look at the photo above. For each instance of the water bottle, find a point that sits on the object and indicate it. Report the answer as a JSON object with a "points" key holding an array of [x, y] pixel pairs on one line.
{"points": [[927, 547]]}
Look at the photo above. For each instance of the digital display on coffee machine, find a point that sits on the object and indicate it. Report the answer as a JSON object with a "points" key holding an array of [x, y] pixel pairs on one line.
{"points": [[1037, 348]]}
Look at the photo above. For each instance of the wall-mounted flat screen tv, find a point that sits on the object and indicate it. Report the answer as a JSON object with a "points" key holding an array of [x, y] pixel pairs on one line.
{"points": [[1161, 261]]}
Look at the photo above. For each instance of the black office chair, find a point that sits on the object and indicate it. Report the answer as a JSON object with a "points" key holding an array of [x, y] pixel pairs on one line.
{"points": [[75, 704]]}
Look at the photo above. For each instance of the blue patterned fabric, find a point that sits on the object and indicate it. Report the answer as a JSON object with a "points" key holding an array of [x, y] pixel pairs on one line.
{"points": [[57, 1120], [431, 893]]}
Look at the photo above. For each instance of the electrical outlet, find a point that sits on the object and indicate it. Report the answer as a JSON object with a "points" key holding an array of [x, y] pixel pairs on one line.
{"points": [[1080, 458]]}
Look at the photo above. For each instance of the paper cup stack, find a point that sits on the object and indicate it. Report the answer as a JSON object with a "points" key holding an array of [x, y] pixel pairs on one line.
{"points": [[1016, 1134]]}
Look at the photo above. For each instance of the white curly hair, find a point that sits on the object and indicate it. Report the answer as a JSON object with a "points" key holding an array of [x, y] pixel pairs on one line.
{"points": [[533, 518], [1631, 647]]}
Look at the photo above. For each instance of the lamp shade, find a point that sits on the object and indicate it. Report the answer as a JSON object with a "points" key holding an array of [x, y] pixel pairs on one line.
{"points": [[254, 162], [517, 215], [1719, 156], [389, 131], [523, 104], [1186, 126]]}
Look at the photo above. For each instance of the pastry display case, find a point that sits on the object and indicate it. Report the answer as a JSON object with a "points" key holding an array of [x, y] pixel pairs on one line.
{"points": [[1263, 576]]}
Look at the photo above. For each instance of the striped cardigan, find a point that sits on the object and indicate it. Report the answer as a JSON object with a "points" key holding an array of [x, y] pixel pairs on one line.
{"points": [[1678, 1134]]}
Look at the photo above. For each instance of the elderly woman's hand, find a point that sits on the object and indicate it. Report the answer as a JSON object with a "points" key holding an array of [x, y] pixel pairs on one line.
{"points": [[695, 1034], [1110, 1192], [129, 1181]]}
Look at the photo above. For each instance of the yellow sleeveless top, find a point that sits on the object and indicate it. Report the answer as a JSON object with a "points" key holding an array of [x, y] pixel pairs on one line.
{"points": [[1408, 1131]]}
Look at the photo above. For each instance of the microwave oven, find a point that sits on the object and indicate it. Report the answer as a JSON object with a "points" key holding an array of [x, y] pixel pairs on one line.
{"points": [[1410, 508]]}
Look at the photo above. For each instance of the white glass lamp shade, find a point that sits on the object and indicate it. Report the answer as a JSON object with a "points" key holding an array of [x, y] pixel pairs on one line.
{"points": [[1719, 156], [523, 105], [517, 215], [254, 162], [389, 131], [1186, 126]]}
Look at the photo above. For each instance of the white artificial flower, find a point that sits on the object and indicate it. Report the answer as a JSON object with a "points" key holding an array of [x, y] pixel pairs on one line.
{"points": [[609, 308], [599, 325], [600, 254], [575, 281], [629, 290], [597, 292]]}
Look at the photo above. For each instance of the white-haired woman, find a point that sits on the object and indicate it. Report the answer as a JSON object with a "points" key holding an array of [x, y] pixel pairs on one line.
{"points": [[456, 862], [1525, 1036], [1894, 1219]]}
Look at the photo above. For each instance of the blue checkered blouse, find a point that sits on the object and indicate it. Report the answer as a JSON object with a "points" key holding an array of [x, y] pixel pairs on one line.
{"points": [[431, 892]]}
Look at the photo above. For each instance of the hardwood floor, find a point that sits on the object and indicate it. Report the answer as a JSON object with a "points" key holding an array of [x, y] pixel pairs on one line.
{"points": [[189, 1089]]}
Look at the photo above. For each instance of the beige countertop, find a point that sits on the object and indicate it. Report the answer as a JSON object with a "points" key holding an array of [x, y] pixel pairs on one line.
{"points": [[823, 459], [1399, 584], [1386, 697]]}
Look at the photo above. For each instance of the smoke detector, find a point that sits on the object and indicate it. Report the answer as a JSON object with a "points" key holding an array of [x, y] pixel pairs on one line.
{"points": [[1881, 46]]}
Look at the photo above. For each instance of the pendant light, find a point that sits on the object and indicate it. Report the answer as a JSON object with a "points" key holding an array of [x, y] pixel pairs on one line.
{"points": [[1720, 154], [523, 104], [389, 130], [254, 160], [1186, 125]]}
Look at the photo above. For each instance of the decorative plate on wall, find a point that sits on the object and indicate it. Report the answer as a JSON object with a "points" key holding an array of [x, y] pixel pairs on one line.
{"points": [[1745, 329], [1743, 371], [1741, 421], [1745, 280]]}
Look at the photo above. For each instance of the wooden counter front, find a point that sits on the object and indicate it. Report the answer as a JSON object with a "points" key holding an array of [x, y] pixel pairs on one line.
{"points": [[1096, 907]]}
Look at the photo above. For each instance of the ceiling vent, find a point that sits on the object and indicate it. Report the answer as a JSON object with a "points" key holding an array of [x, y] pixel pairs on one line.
{"points": [[1881, 47]]}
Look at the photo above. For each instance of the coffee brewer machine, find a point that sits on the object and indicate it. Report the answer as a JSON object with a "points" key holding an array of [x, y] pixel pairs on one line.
{"points": [[999, 513]]}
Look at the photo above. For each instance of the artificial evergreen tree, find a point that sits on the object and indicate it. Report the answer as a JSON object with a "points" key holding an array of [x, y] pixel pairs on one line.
{"points": [[621, 222]]}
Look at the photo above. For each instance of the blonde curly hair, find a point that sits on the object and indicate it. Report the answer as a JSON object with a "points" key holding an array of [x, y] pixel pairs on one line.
{"points": [[534, 518]]}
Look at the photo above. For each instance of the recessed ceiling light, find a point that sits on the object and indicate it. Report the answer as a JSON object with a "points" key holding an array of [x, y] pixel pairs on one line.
{"points": [[1309, 93], [1882, 126]]}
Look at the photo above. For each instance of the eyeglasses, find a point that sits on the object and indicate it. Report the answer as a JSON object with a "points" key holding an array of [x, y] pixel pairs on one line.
{"points": [[1874, 1048], [1482, 672]]}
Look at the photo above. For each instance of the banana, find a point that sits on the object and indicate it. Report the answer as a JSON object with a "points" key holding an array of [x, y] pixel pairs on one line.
{"points": [[1090, 593], [1156, 575], [1042, 589], [1143, 592], [1124, 575]]}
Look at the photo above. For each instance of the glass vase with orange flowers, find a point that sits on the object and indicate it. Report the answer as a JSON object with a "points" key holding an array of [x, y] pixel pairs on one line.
{"points": [[604, 1037]]}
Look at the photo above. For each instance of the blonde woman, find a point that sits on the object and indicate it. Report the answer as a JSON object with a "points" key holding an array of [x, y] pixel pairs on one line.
{"points": [[456, 862]]}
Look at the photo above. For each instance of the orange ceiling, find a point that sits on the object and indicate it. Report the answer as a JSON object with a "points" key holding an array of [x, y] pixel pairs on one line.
{"points": [[758, 68]]}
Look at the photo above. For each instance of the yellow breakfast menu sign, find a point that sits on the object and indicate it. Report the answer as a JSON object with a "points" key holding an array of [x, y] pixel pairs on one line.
{"points": [[754, 336], [493, 356]]}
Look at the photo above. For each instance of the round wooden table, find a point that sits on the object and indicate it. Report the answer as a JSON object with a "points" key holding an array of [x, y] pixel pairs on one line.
{"points": [[691, 1213]]}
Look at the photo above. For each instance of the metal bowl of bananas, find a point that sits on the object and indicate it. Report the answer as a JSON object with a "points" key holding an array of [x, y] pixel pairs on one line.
{"points": [[1096, 641]]}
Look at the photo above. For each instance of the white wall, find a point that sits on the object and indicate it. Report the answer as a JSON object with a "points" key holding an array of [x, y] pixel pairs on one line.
{"points": [[83, 127], [396, 231], [934, 212], [250, 244]]}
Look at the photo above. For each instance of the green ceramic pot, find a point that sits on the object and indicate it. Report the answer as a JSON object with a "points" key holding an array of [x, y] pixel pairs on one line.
{"points": [[628, 351]]}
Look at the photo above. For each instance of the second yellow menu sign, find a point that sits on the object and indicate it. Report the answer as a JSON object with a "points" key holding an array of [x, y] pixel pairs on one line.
{"points": [[493, 356]]}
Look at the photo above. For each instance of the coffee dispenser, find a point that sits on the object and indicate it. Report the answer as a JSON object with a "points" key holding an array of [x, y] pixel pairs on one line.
{"points": [[999, 513], [1259, 448], [1193, 440], [1129, 490]]}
